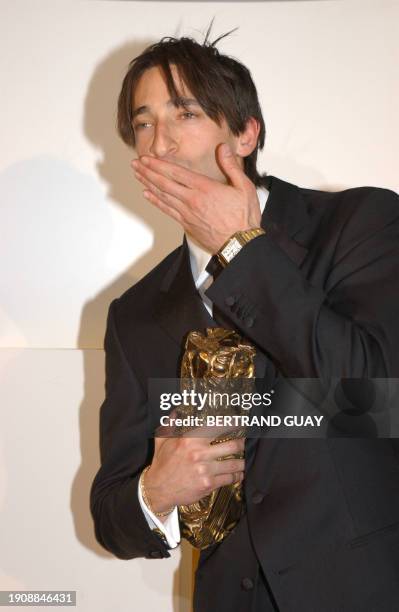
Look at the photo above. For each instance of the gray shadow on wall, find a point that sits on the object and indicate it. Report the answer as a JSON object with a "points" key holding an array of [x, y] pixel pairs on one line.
{"points": [[114, 169], [122, 188]]}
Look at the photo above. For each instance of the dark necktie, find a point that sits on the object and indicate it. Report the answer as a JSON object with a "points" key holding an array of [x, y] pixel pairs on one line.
{"points": [[214, 268]]}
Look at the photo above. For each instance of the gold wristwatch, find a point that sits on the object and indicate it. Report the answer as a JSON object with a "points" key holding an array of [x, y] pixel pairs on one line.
{"points": [[234, 244]]}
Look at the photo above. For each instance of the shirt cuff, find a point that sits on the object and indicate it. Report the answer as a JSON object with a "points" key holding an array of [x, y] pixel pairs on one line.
{"points": [[170, 528]]}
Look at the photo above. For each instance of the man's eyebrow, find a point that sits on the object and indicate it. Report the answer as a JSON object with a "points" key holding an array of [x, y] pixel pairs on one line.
{"points": [[179, 101]]}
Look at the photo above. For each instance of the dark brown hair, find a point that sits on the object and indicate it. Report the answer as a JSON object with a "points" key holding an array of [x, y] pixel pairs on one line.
{"points": [[221, 84]]}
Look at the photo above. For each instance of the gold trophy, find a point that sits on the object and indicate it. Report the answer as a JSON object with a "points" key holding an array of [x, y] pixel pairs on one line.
{"points": [[217, 363]]}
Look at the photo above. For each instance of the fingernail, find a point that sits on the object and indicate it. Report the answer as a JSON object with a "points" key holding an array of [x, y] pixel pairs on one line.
{"points": [[144, 160]]}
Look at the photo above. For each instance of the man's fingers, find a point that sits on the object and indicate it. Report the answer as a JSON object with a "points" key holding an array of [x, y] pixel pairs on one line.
{"points": [[221, 480], [216, 431], [226, 448], [161, 184], [229, 466], [230, 166], [164, 197], [186, 178], [163, 206]]}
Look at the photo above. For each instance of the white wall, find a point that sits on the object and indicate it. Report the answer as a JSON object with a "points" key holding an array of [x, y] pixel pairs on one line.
{"points": [[76, 233]]}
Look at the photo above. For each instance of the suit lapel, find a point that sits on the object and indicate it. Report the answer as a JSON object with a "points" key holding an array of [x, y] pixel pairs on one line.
{"points": [[285, 215], [179, 308]]}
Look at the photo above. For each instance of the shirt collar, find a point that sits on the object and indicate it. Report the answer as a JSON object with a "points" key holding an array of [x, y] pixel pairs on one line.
{"points": [[199, 257]]}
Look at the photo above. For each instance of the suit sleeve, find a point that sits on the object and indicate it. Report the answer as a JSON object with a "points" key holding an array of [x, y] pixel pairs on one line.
{"points": [[344, 326], [125, 449]]}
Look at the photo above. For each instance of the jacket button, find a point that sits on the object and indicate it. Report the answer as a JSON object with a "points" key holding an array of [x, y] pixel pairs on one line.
{"points": [[249, 321], [230, 300], [247, 584], [257, 497], [156, 554]]}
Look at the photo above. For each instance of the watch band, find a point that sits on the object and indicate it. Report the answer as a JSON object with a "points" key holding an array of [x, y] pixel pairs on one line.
{"points": [[234, 244]]}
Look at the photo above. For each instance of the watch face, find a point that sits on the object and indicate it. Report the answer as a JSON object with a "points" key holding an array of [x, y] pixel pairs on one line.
{"points": [[231, 249]]}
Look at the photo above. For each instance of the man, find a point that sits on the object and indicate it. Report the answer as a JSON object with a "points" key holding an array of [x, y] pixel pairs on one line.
{"points": [[310, 278]]}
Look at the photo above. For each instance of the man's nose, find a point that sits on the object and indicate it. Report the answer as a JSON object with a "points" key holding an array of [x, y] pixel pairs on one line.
{"points": [[163, 143]]}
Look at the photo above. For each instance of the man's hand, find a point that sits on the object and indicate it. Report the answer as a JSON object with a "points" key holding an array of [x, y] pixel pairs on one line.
{"points": [[208, 210], [185, 469]]}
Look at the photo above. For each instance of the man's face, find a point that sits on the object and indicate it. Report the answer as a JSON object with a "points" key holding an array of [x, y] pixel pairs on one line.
{"points": [[184, 136]]}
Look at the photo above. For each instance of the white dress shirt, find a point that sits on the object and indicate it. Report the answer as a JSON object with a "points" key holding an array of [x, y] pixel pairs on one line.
{"points": [[199, 259]]}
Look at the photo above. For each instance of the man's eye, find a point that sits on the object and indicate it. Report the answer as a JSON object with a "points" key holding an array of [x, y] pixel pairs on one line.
{"points": [[140, 126], [188, 115]]}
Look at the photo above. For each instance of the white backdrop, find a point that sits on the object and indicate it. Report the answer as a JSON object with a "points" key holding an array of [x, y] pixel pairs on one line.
{"points": [[76, 233]]}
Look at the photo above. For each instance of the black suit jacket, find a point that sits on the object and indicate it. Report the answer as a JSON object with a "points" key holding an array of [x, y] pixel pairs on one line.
{"points": [[318, 295]]}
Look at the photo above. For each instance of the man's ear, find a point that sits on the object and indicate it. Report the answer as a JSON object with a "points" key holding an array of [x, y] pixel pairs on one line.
{"points": [[248, 139]]}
